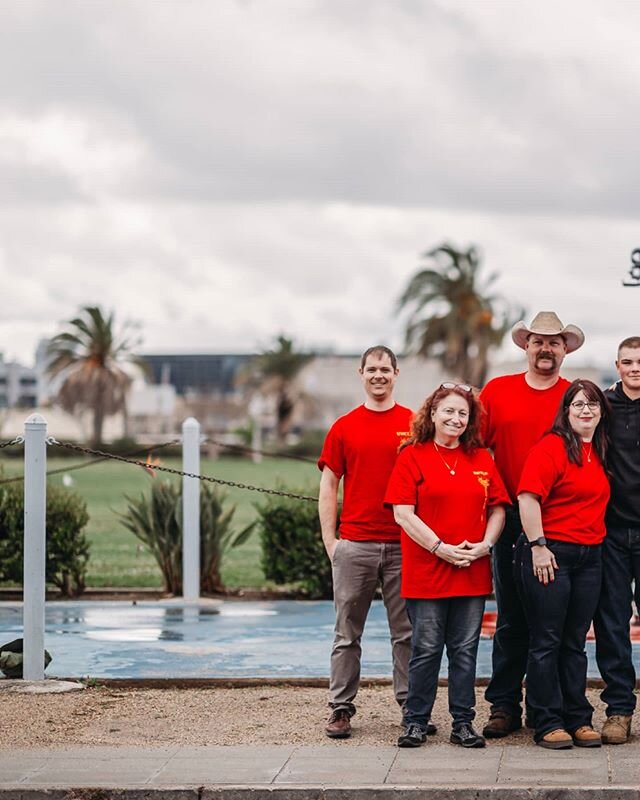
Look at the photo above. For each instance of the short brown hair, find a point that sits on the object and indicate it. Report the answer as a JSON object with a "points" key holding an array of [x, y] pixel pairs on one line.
{"points": [[378, 350], [630, 341]]}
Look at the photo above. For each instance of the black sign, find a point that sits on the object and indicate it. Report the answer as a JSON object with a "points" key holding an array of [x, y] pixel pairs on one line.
{"points": [[634, 269]]}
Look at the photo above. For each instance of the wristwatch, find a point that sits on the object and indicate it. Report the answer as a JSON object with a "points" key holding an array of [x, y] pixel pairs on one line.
{"points": [[539, 542]]}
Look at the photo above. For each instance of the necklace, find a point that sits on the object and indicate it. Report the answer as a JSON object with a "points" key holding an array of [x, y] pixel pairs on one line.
{"points": [[589, 451], [452, 469]]}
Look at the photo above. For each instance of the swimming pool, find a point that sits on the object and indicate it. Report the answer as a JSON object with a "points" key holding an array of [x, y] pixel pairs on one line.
{"points": [[162, 639]]}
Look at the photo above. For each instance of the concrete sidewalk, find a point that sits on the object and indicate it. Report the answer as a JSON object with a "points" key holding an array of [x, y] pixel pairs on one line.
{"points": [[318, 772]]}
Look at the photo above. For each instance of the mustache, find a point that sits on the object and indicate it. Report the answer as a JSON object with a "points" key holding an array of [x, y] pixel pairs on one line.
{"points": [[545, 354]]}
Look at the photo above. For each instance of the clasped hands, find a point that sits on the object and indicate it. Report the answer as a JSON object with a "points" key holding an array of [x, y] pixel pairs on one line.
{"points": [[463, 554]]}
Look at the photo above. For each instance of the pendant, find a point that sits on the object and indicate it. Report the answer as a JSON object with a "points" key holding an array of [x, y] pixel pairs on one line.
{"points": [[452, 471]]}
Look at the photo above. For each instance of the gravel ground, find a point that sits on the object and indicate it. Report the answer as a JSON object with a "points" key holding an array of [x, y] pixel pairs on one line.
{"points": [[227, 716]]}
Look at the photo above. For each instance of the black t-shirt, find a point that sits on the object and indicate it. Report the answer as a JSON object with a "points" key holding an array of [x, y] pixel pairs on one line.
{"points": [[624, 459]]}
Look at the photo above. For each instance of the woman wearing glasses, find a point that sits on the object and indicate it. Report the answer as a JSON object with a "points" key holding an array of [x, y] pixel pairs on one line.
{"points": [[449, 501], [563, 494]]}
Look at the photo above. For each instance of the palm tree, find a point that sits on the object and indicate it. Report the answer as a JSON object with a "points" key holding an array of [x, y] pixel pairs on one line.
{"points": [[87, 356], [453, 316], [276, 369]]}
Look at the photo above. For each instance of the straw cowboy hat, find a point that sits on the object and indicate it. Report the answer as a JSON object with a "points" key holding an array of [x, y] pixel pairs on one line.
{"points": [[546, 323]]}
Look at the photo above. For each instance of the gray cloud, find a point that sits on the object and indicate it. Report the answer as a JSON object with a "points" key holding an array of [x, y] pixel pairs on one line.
{"points": [[409, 104], [223, 171]]}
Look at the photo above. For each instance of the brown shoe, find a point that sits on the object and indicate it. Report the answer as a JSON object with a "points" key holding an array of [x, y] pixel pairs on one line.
{"points": [[617, 729], [585, 736], [501, 724], [339, 724], [556, 740]]}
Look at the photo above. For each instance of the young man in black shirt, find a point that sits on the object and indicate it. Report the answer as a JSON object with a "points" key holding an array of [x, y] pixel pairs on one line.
{"points": [[621, 549]]}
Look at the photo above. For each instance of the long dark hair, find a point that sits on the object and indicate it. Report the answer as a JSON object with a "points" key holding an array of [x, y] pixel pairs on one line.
{"points": [[562, 426], [423, 429]]}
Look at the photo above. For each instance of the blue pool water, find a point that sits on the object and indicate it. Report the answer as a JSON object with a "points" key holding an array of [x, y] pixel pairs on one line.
{"points": [[233, 639]]}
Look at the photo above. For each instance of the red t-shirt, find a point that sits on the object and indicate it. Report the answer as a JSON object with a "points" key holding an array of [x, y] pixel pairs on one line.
{"points": [[362, 447], [454, 507], [573, 499], [517, 416]]}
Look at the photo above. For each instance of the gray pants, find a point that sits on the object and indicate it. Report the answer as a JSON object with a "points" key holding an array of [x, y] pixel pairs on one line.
{"points": [[358, 568]]}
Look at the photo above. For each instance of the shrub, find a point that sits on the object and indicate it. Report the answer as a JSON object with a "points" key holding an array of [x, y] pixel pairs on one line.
{"points": [[156, 519], [309, 444], [67, 546], [292, 549]]}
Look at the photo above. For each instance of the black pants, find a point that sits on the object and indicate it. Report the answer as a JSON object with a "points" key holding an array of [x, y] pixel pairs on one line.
{"points": [[511, 639]]}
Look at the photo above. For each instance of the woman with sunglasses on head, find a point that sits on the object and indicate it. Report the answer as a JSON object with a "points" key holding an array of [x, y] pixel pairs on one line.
{"points": [[563, 494], [449, 501]]}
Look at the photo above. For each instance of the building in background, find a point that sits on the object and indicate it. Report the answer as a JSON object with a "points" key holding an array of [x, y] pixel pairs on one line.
{"points": [[217, 390], [18, 385]]}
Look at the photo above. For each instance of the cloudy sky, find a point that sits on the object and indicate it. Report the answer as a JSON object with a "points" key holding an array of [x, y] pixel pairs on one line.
{"points": [[225, 170]]}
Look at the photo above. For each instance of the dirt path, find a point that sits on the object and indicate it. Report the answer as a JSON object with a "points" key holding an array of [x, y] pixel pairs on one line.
{"points": [[262, 715]]}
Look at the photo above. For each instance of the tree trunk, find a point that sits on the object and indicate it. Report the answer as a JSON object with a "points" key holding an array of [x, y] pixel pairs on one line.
{"points": [[283, 411], [98, 423]]}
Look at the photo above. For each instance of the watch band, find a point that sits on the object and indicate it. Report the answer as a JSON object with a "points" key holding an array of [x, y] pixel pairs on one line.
{"points": [[539, 542]]}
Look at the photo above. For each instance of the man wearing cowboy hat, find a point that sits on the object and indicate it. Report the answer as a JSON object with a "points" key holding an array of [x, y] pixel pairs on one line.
{"points": [[519, 410]]}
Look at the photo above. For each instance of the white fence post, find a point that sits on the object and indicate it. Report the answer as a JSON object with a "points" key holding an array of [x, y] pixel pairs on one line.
{"points": [[35, 502], [191, 510], [256, 412]]}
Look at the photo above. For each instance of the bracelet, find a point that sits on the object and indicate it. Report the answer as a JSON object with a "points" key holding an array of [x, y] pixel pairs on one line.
{"points": [[436, 546]]}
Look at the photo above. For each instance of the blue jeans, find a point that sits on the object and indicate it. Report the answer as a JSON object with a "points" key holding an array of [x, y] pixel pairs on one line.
{"points": [[559, 615], [620, 566], [511, 639], [454, 622]]}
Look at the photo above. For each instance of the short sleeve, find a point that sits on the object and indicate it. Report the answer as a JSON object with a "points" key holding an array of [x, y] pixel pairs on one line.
{"points": [[543, 467], [404, 480], [486, 430], [498, 494], [332, 454]]}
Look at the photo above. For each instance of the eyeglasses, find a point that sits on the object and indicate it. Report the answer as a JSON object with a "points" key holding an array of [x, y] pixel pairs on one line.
{"points": [[462, 386], [592, 405]]}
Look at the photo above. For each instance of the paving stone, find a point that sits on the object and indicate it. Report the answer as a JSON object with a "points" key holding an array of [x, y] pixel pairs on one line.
{"points": [[445, 765], [338, 766], [536, 766], [17, 766], [87, 770], [233, 765], [624, 765]]}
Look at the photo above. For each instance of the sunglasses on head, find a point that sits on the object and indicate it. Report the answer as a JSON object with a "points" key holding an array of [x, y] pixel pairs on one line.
{"points": [[462, 386]]}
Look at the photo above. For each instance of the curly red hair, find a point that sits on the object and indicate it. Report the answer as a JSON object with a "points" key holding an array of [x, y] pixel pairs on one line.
{"points": [[423, 429]]}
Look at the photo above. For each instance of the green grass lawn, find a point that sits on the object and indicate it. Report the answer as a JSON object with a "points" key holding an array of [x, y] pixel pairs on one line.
{"points": [[119, 559]]}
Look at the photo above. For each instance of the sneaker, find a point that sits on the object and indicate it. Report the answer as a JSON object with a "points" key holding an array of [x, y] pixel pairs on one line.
{"points": [[556, 740], [413, 736], [431, 729], [501, 724], [465, 735], [339, 724], [617, 729], [585, 736]]}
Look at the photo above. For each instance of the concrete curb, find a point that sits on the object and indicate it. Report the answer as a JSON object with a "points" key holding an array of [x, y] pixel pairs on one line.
{"points": [[322, 793]]}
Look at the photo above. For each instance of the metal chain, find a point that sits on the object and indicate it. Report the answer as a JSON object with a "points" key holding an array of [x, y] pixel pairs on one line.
{"points": [[17, 440], [74, 467], [77, 448]]}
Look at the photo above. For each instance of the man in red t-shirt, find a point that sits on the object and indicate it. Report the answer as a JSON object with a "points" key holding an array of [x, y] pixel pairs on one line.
{"points": [[361, 449], [519, 411]]}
